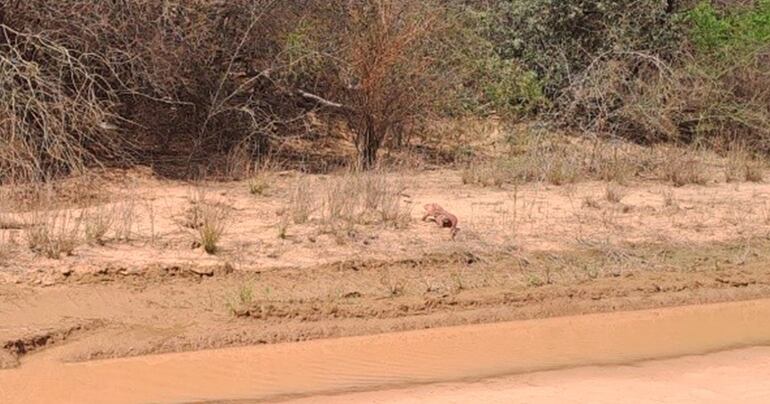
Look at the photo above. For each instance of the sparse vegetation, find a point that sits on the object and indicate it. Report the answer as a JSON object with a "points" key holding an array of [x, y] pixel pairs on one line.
{"points": [[683, 168], [240, 300], [613, 193], [97, 222], [53, 233], [7, 248], [258, 184], [365, 198], [742, 166], [215, 220], [301, 202]]}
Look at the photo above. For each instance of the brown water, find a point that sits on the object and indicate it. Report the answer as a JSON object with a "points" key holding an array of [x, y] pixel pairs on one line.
{"points": [[378, 361]]}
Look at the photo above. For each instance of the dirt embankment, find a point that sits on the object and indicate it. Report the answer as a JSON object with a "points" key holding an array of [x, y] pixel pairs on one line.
{"points": [[523, 252]]}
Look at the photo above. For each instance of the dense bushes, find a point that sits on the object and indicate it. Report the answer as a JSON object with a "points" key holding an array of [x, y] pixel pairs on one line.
{"points": [[87, 81], [646, 70]]}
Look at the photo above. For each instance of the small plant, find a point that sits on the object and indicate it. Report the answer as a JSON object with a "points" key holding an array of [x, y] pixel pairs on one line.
{"points": [[97, 222], [562, 170], [394, 287], [458, 281], [669, 200], [124, 219], [53, 233], [742, 166], [258, 184], [214, 223], [241, 300], [684, 169], [590, 202], [283, 226], [301, 202], [613, 193], [534, 281], [7, 248]]}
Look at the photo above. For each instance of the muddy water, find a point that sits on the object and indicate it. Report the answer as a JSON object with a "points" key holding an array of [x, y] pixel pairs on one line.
{"points": [[392, 359]]}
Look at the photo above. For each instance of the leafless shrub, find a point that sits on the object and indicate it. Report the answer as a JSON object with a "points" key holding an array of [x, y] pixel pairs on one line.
{"points": [[639, 96], [388, 70], [54, 108]]}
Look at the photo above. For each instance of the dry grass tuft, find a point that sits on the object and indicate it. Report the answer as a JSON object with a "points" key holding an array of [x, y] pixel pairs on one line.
{"points": [[53, 233], [97, 222], [215, 220], [7, 248], [301, 201], [590, 202], [258, 184], [241, 300], [741, 165], [207, 220], [283, 226], [683, 168], [366, 198], [669, 200], [614, 193]]}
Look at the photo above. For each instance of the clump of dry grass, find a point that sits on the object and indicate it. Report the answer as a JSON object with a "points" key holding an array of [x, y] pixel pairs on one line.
{"points": [[558, 161], [683, 168], [97, 222], [301, 201], [742, 166], [590, 202], [669, 200], [241, 300], [366, 198], [614, 193], [283, 226], [125, 219], [208, 221], [7, 248], [214, 224], [258, 184], [53, 233]]}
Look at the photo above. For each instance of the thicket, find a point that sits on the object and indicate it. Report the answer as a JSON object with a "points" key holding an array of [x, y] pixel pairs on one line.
{"points": [[86, 82]]}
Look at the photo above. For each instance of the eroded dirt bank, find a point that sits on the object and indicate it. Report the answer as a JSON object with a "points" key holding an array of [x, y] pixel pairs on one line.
{"points": [[115, 315], [368, 362], [531, 251]]}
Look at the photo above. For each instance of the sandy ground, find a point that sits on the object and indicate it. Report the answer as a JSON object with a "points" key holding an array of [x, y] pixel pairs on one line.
{"points": [[523, 252], [727, 377], [409, 359]]}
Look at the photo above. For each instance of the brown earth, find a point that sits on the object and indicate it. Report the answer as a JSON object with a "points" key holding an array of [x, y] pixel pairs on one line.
{"points": [[724, 377], [523, 252]]}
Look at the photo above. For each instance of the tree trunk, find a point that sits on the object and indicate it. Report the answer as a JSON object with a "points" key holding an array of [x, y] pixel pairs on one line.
{"points": [[368, 141]]}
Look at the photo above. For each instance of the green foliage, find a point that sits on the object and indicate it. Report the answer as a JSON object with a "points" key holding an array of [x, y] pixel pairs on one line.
{"points": [[489, 81], [732, 32], [558, 39]]}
